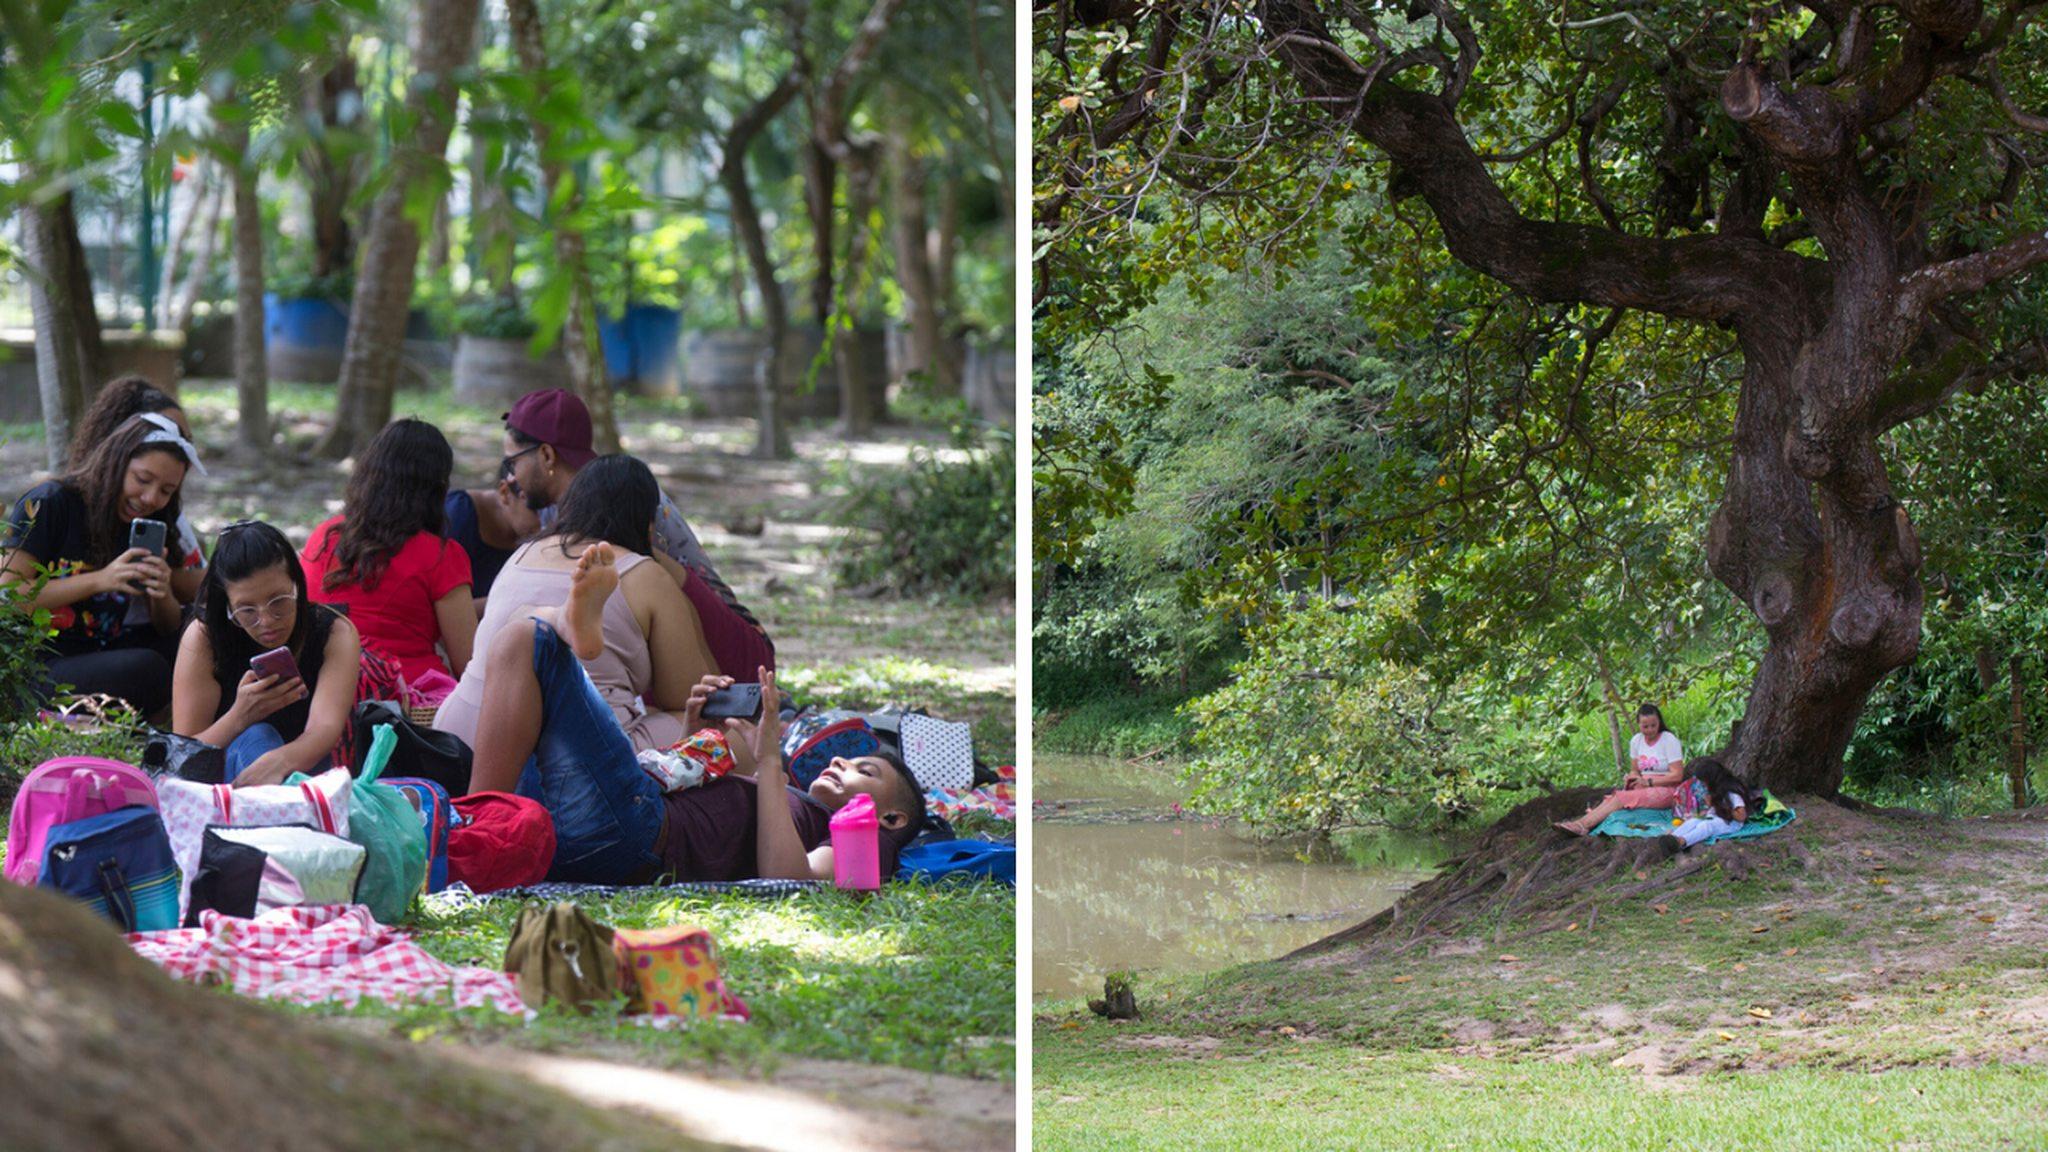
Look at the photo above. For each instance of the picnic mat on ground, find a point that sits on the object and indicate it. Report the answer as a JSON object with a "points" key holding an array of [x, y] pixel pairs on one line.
{"points": [[321, 954], [998, 799], [1647, 822], [458, 896]]}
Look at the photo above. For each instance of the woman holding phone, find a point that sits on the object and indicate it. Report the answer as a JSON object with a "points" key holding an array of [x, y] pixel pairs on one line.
{"points": [[76, 530], [264, 672], [120, 398]]}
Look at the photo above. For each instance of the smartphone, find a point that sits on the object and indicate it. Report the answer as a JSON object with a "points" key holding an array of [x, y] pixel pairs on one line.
{"points": [[734, 702], [148, 535], [277, 662]]}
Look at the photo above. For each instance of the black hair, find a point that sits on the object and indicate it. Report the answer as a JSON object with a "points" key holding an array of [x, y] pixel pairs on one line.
{"points": [[613, 498], [100, 478], [900, 838], [1719, 782], [120, 398], [241, 551], [398, 490], [521, 438], [1652, 710]]}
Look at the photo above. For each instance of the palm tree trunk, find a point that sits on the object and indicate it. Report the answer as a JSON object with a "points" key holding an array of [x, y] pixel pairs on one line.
{"points": [[370, 360], [579, 334]]}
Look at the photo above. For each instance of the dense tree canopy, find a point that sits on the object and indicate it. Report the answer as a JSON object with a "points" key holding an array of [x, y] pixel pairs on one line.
{"points": [[1729, 254]]}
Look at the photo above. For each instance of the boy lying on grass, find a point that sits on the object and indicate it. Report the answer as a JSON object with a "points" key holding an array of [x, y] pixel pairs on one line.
{"points": [[541, 727]]}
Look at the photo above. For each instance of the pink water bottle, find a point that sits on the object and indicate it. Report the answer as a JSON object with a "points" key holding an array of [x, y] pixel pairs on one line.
{"points": [[856, 855]]}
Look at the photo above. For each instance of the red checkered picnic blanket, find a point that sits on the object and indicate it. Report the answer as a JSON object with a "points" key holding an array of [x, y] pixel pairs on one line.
{"points": [[319, 954]]}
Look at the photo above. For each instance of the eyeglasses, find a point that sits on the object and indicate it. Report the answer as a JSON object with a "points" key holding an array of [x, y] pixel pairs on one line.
{"points": [[275, 611], [507, 461]]}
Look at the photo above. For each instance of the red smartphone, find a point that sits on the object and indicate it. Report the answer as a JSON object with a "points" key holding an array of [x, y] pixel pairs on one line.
{"points": [[277, 662]]}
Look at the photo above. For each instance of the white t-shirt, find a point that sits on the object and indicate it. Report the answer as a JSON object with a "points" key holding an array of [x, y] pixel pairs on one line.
{"points": [[1654, 759]]}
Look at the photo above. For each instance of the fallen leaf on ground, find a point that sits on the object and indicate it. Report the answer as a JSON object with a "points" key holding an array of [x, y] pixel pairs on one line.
{"points": [[1760, 1013], [1686, 919], [1759, 928], [1725, 1035], [1403, 979], [1660, 909], [1572, 927], [1509, 959], [1789, 952], [1988, 919]]}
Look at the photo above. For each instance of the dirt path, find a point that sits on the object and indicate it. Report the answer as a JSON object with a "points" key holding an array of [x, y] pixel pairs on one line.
{"points": [[803, 1106]]}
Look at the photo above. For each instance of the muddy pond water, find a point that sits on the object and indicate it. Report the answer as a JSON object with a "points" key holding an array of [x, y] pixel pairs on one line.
{"points": [[1122, 880]]}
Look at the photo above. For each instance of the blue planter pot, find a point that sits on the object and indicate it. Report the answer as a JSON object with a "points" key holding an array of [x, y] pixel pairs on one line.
{"points": [[641, 348], [302, 338]]}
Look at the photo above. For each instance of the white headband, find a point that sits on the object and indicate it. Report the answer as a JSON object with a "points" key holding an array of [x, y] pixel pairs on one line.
{"points": [[167, 433]]}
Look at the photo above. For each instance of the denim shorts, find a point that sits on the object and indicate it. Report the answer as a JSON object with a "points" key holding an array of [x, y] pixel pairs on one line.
{"points": [[607, 812]]}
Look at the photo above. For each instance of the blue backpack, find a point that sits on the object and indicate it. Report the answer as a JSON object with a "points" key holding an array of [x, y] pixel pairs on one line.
{"points": [[437, 815], [963, 859], [119, 864]]}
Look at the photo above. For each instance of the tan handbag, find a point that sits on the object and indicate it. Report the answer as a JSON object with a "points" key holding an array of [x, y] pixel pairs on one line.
{"points": [[559, 953]]}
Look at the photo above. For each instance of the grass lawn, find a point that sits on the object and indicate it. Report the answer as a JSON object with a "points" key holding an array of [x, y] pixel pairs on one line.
{"points": [[1862, 980], [917, 978]]}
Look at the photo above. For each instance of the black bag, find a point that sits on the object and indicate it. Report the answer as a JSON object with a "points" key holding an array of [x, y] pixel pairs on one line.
{"points": [[169, 754], [426, 753]]}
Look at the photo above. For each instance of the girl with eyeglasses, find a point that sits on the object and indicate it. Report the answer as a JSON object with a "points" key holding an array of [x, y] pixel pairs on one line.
{"points": [[254, 600], [73, 534]]}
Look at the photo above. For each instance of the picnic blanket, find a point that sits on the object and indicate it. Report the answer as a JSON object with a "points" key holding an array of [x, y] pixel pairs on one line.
{"points": [[457, 896], [1645, 822], [998, 799], [320, 954]]}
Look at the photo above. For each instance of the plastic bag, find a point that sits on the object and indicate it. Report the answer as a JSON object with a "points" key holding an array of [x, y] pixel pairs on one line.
{"points": [[388, 827]]}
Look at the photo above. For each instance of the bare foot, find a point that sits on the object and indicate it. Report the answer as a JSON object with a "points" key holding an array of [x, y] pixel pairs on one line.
{"points": [[1571, 826], [581, 621]]}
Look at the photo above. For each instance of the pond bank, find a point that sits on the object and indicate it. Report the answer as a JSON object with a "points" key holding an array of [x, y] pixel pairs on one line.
{"points": [[1864, 979], [1124, 879]]}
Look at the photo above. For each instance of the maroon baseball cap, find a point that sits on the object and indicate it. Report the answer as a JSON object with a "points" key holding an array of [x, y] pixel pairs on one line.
{"points": [[555, 417]]}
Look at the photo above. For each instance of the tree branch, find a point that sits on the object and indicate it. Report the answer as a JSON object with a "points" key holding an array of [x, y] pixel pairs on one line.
{"points": [[1923, 287]]}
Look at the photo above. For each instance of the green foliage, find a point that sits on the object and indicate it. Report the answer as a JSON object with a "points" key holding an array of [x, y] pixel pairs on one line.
{"points": [[24, 630], [945, 527], [495, 318], [1315, 732], [299, 283]]}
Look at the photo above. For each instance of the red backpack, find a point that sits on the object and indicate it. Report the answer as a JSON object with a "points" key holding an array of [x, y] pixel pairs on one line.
{"points": [[499, 841]]}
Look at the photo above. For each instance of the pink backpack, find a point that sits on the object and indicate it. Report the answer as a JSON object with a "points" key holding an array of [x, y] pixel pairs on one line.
{"points": [[62, 790]]}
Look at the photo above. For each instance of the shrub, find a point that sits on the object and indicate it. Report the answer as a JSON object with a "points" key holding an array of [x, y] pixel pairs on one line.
{"points": [[1316, 732], [943, 528], [494, 318]]}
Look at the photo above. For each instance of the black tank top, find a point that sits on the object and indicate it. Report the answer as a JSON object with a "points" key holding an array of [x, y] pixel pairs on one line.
{"points": [[290, 721]]}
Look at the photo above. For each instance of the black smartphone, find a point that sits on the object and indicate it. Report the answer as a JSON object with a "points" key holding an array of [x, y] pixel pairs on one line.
{"points": [[734, 702], [277, 662], [148, 535]]}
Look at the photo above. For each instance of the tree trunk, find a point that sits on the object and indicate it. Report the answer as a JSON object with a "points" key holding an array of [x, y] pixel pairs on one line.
{"points": [[1828, 562], [252, 365], [335, 104], [1614, 709], [856, 406], [909, 218], [579, 333], [771, 441], [181, 234], [443, 36], [217, 196], [2016, 751], [85, 314], [946, 246], [59, 380], [821, 186]]}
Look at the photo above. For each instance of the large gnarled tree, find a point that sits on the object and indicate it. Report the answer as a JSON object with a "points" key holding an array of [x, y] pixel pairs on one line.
{"points": [[1848, 189]]}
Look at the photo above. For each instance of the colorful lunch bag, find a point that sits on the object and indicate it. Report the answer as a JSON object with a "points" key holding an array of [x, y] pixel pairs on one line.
{"points": [[673, 972]]}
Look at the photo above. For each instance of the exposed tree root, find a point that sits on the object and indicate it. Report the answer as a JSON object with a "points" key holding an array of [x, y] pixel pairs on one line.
{"points": [[1524, 878]]}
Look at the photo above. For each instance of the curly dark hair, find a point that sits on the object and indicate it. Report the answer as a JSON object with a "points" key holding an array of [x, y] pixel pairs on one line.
{"points": [[912, 795], [613, 498], [1721, 783], [100, 477], [398, 490], [123, 396], [242, 551]]}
